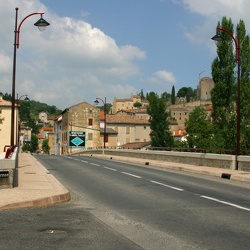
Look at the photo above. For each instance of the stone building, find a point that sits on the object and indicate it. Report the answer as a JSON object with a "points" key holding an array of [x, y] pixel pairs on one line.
{"points": [[129, 129], [204, 88], [127, 103], [79, 128]]}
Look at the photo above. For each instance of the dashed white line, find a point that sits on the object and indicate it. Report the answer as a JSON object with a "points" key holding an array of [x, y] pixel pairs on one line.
{"points": [[95, 164], [136, 176], [225, 202], [162, 184], [84, 161], [112, 169]]}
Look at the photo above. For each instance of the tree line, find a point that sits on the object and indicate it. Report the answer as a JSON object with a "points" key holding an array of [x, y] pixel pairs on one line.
{"points": [[218, 131]]}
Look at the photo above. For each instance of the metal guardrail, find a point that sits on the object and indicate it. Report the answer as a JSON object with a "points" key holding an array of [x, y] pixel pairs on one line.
{"points": [[190, 150], [201, 150]]}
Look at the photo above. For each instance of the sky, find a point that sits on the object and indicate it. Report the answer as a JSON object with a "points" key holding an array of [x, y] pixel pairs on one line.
{"points": [[110, 48]]}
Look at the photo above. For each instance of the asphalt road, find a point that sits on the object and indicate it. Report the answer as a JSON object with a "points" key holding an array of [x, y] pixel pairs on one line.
{"points": [[157, 209]]}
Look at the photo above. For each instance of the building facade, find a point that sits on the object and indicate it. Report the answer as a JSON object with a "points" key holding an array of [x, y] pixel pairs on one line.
{"points": [[129, 129], [77, 128], [127, 103], [5, 126]]}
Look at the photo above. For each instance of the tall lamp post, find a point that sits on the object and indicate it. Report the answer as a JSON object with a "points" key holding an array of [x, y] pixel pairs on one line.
{"points": [[17, 122], [41, 24], [218, 38], [105, 111]]}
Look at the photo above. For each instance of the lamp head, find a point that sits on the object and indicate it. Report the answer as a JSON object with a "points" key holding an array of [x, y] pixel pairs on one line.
{"points": [[96, 102], [218, 38], [41, 24]]}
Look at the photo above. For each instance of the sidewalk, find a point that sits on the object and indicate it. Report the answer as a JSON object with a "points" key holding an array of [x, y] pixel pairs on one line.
{"points": [[36, 186]]}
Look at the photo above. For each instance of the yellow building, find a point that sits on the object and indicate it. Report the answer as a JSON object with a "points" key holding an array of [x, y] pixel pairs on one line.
{"points": [[5, 126]]}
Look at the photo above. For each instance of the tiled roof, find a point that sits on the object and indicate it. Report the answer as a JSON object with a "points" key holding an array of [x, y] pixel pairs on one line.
{"points": [[5, 103], [209, 108], [178, 109], [102, 115], [179, 132], [125, 119], [109, 131], [47, 129]]}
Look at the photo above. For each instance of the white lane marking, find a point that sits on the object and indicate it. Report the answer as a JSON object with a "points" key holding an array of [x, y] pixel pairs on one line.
{"points": [[136, 176], [110, 168], [95, 164], [84, 161], [225, 202], [162, 184]]}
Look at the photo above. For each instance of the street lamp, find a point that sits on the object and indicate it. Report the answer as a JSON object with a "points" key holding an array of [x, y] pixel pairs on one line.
{"points": [[41, 24], [104, 109], [218, 38], [17, 122]]}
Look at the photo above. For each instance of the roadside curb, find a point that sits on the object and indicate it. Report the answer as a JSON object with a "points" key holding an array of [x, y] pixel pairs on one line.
{"points": [[40, 202], [37, 187]]}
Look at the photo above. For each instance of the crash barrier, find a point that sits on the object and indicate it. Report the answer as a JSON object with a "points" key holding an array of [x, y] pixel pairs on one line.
{"points": [[225, 161]]}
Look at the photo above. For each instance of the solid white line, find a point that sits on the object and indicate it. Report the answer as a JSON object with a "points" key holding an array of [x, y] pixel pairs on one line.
{"points": [[162, 184], [136, 176], [95, 164], [226, 203], [110, 168]]}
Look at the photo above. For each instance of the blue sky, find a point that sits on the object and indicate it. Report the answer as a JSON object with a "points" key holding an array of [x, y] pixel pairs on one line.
{"points": [[111, 48]]}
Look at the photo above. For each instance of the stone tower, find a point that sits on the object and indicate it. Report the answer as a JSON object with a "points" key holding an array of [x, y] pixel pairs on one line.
{"points": [[204, 88]]}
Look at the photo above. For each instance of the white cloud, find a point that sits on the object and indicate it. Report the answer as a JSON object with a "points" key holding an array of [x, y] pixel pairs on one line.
{"points": [[212, 11], [237, 8], [69, 62], [162, 81], [5, 63]]}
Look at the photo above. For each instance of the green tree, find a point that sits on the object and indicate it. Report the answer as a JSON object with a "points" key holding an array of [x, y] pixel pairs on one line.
{"points": [[166, 96], [187, 92], [142, 95], [173, 95], [27, 147], [245, 85], [45, 146], [200, 131], [34, 142], [160, 134], [137, 104], [224, 91]]}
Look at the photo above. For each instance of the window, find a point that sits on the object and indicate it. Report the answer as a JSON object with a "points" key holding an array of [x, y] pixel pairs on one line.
{"points": [[127, 129], [90, 136], [144, 128], [90, 111], [90, 121]]}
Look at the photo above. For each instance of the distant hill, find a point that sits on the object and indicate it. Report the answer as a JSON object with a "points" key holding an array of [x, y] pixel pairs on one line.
{"points": [[32, 108]]}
